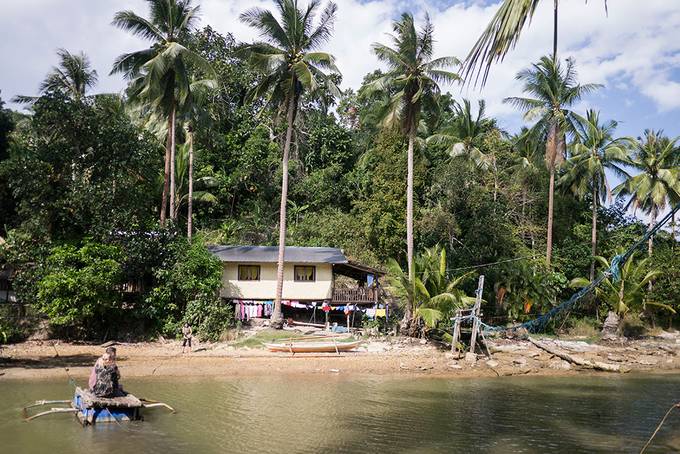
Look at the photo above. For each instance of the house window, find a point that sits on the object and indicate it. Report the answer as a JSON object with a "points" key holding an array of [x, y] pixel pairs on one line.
{"points": [[305, 273], [249, 272]]}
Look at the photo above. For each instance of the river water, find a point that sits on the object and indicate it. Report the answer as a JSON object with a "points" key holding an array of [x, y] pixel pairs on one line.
{"points": [[336, 414]]}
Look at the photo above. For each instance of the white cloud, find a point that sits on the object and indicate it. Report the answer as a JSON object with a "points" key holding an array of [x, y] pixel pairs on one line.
{"points": [[635, 49]]}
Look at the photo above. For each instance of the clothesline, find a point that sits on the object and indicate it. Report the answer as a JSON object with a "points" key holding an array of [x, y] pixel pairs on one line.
{"points": [[247, 309]]}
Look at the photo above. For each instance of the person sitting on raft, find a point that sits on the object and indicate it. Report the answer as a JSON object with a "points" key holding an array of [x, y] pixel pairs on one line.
{"points": [[105, 377]]}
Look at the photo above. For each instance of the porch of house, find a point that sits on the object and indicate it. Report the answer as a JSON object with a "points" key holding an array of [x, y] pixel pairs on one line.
{"points": [[363, 286]]}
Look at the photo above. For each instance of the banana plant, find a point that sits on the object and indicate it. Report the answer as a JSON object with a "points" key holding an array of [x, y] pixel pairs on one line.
{"points": [[433, 294]]}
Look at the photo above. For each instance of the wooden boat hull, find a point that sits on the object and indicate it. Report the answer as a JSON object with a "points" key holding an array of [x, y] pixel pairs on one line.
{"points": [[313, 347]]}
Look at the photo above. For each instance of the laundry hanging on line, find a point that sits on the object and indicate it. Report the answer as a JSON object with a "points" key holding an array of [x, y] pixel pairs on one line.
{"points": [[247, 309]]}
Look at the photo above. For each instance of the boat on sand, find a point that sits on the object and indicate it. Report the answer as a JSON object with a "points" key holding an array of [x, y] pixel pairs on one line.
{"points": [[313, 346]]}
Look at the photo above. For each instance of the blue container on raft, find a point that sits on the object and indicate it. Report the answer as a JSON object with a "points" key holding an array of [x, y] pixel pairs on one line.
{"points": [[93, 410]]}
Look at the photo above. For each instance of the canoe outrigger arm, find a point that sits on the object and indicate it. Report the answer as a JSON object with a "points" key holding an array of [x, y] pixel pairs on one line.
{"points": [[47, 402], [90, 409], [39, 403], [52, 411], [158, 404]]}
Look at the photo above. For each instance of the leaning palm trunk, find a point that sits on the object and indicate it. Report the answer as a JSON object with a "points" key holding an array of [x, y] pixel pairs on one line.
{"points": [[173, 209], [166, 175], [277, 317], [190, 202]]}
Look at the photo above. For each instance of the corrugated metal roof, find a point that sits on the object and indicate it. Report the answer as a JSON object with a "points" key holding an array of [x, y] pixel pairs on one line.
{"points": [[267, 254]]}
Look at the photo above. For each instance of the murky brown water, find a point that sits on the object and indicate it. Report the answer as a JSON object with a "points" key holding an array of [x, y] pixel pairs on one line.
{"points": [[337, 414]]}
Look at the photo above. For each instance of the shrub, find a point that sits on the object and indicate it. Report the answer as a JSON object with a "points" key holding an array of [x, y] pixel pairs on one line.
{"points": [[187, 290], [76, 289], [210, 317]]}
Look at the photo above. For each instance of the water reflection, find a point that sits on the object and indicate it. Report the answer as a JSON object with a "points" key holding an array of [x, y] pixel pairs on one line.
{"points": [[333, 414]]}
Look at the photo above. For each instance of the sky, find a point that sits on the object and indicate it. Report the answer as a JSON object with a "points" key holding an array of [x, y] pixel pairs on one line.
{"points": [[633, 51]]}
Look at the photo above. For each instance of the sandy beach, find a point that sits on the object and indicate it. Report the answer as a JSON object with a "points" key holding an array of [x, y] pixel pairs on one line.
{"points": [[377, 356]]}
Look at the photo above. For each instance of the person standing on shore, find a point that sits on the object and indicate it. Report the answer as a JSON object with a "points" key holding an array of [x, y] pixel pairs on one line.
{"points": [[186, 337]]}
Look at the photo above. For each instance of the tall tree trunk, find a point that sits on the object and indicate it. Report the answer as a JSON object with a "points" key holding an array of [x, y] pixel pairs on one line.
{"points": [[166, 175], [556, 4], [173, 208], [190, 201], [650, 242], [593, 234], [551, 202], [495, 182], [673, 231], [524, 220], [277, 316], [652, 224], [593, 246], [409, 202], [408, 313]]}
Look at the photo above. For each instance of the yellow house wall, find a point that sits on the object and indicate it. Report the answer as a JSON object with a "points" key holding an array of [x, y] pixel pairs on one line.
{"points": [[265, 288]]}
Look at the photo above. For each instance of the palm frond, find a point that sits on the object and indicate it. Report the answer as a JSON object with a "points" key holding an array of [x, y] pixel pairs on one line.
{"points": [[499, 37], [137, 25]]}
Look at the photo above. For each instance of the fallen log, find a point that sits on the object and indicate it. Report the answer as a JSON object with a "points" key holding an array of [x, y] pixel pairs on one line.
{"points": [[576, 360]]}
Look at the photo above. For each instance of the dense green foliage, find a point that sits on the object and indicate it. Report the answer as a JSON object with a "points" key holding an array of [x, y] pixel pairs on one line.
{"points": [[81, 180], [76, 286]]}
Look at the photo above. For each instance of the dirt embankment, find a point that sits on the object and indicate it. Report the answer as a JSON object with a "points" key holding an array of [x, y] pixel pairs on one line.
{"points": [[379, 356]]}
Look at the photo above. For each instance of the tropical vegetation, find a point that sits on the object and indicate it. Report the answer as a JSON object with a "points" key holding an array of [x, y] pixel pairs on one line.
{"points": [[258, 143]]}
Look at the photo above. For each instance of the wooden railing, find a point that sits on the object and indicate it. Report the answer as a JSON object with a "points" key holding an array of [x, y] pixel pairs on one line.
{"points": [[355, 295]]}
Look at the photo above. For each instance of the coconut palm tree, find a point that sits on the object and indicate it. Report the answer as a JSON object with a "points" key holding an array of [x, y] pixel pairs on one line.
{"points": [[73, 76], [411, 83], [193, 112], [160, 74], [554, 89], [657, 184], [186, 192], [594, 151], [502, 35], [291, 65], [461, 135]]}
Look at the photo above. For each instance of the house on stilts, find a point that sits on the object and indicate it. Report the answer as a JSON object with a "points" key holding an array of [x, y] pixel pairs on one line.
{"points": [[319, 284]]}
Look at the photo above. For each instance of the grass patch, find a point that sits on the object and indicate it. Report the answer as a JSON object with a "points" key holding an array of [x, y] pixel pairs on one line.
{"points": [[273, 335]]}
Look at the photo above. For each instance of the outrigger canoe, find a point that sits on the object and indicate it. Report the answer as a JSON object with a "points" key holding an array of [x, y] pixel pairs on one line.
{"points": [[90, 409], [313, 347]]}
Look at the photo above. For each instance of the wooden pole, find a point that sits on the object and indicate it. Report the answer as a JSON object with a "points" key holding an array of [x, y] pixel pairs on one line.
{"points": [[456, 333]]}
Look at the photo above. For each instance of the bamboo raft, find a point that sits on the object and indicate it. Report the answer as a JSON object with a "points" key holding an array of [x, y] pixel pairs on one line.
{"points": [[90, 409]]}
